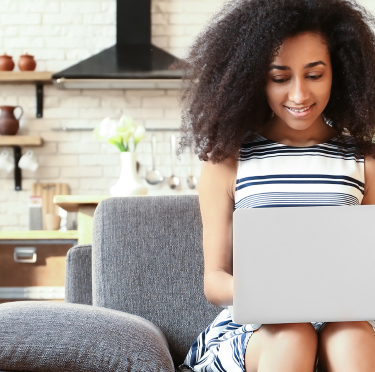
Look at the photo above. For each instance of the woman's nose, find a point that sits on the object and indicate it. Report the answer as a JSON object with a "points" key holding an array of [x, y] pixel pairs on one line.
{"points": [[298, 92]]}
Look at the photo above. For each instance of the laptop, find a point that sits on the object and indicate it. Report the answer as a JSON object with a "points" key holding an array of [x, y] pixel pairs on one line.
{"points": [[303, 264]]}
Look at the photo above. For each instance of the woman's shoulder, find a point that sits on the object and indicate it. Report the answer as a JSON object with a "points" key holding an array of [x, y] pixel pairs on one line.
{"points": [[219, 177], [220, 171]]}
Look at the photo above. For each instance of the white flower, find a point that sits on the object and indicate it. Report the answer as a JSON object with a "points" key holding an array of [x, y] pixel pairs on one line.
{"points": [[107, 128], [124, 133], [139, 134], [127, 123]]}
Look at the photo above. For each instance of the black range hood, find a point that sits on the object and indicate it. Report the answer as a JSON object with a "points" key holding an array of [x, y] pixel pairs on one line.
{"points": [[133, 63]]}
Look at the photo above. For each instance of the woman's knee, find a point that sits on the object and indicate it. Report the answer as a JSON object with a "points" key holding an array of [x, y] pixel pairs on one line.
{"points": [[334, 327], [345, 333], [293, 333], [291, 340], [343, 344]]}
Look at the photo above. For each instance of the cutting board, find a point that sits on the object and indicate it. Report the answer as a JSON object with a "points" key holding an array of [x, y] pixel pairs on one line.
{"points": [[47, 191]]}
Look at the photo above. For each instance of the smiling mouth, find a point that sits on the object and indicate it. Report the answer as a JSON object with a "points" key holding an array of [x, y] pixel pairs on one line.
{"points": [[300, 110]]}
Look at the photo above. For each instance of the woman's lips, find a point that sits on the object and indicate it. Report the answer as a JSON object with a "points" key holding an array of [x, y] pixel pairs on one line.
{"points": [[300, 114]]}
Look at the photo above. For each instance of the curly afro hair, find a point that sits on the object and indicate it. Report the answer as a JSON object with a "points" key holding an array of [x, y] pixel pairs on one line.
{"points": [[223, 95]]}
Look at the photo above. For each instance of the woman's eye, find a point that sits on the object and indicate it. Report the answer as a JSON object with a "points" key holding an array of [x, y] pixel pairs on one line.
{"points": [[279, 80], [312, 77], [315, 77]]}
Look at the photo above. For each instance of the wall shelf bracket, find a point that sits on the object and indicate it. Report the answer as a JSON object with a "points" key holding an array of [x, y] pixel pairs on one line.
{"points": [[39, 99], [17, 169]]}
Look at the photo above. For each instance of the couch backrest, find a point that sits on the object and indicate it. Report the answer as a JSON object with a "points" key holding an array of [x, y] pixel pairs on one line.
{"points": [[148, 261]]}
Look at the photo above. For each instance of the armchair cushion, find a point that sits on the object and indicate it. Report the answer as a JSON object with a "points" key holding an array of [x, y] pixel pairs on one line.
{"points": [[148, 260], [47, 336]]}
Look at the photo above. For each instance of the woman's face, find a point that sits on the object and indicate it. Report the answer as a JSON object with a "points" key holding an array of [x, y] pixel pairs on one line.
{"points": [[300, 78]]}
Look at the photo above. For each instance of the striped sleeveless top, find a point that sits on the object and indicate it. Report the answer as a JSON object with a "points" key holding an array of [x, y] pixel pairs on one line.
{"points": [[271, 174]]}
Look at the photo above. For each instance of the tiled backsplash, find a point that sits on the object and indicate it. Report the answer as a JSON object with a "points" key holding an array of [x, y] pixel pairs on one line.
{"points": [[59, 33]]}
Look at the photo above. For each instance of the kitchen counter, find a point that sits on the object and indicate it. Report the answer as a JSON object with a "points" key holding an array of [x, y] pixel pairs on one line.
{"points": [[85, 205], [73, 203], [39, 235]]}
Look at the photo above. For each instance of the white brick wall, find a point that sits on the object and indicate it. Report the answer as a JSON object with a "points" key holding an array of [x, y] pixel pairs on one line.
{"points": [[59, 33]]}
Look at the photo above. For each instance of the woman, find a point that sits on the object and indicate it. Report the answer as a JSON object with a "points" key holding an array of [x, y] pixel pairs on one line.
{"points": [[279, 89]]}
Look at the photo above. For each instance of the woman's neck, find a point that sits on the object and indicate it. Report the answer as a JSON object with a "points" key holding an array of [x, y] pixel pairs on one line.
{"points": [[280, 132]]}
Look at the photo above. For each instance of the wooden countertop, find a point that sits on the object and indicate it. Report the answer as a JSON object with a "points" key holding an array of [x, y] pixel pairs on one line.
{"points": [[39, 235], [71, 203]]}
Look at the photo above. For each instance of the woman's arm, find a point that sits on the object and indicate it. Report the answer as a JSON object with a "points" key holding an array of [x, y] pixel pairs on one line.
{"points": [[216, 201], [369, 197]]}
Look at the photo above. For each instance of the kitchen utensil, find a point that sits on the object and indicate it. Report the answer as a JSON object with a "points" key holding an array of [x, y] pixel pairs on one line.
{"points": [[6, 63], [173, 181], [35, 213], [9, 124], [153, 177], [26, 62], [47, 191], [52, 221], [191, 179]]}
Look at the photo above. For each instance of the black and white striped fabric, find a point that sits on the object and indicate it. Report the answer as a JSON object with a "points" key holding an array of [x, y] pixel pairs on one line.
{"points": [[271, 174]]}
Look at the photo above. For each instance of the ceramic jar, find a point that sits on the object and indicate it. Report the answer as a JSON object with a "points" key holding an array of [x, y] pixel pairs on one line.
{"points": [[26, 63], [6, 63], [9, 124]]}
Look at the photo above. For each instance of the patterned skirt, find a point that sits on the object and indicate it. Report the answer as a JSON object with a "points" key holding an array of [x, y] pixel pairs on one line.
{"points": [[221, 346]]}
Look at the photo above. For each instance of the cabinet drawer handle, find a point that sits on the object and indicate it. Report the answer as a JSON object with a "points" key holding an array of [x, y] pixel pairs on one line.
{"points": [[25, 254]]}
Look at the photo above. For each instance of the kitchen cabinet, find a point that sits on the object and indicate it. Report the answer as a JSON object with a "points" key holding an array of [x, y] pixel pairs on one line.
{"points": [[32, 264]]}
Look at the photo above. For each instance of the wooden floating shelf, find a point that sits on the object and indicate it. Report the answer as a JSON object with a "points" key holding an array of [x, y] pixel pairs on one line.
{"points": [[26, 77], [20, 141], [39, 78]]}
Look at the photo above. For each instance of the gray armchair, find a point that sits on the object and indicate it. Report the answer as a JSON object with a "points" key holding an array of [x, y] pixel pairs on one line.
{"points": [[134, 299]]}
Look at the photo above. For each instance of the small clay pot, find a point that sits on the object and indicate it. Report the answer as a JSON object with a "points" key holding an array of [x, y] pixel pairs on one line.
{"points": [[9, 124], [26, 63], [6, 63]]}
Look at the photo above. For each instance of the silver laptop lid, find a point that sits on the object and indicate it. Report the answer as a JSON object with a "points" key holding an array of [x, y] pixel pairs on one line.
{"points": [[304, 264]]}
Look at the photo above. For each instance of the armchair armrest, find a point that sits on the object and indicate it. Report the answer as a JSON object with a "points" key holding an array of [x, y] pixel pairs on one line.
{"points": [[78, 278], [47, 336]]}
